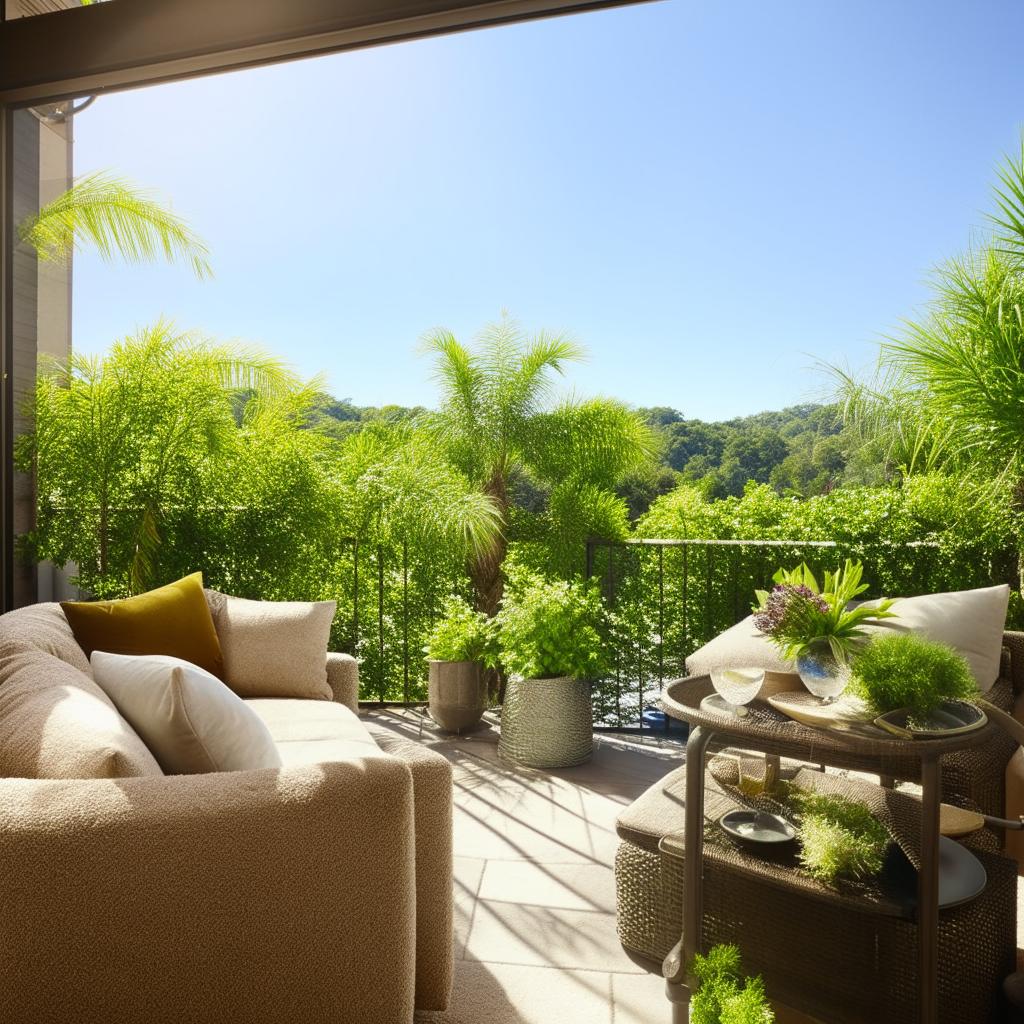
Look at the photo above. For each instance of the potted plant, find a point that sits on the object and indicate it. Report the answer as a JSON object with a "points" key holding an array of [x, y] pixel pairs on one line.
{"points": [[816, 625], [907, 682], [551, 646], [458, 649], [722, 994]]}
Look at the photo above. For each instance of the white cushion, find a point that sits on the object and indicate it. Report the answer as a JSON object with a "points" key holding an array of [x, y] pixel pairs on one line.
{"points": [[191, 721], [969, 621]]}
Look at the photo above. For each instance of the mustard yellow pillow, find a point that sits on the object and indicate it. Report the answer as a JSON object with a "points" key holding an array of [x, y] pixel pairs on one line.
{"points": [[174, 620]]}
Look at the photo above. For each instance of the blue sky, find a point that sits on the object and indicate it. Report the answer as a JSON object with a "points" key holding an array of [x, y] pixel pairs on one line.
{"points": [[710, 197]]}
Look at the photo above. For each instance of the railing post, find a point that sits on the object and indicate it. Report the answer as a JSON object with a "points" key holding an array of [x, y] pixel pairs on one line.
{"points": [[355, 596], [382, 676], [405, 619]]}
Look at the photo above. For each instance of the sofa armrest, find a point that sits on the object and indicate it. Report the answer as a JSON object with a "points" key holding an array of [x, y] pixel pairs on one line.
{"points": [[432, 789], [282, 894], [343, 679]]}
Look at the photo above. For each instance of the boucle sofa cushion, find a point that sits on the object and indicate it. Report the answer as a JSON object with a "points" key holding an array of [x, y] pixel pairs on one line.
{"points": [[56, 723], [969, 621], [173, 620], [45, 627], [187, 717], [314, 731], [274, 648]]}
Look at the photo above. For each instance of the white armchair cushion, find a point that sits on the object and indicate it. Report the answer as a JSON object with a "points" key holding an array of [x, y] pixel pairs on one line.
{"points": [[969, 621]]}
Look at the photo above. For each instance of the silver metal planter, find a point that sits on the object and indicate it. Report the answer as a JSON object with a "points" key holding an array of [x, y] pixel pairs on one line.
{"points": [[458, 694], [547, 723]]}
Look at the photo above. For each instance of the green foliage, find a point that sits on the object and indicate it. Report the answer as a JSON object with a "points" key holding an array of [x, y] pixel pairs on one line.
{"points": [[116, 218], [723, 995], [550, 628], [948, 394], [798, 613], [906, 670], [499, 420], [796, 450], [124, 445], [839, 838], [462, 634]]}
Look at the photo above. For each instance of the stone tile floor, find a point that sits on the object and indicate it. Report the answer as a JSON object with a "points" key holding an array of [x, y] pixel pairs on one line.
{"points": [[535, 939]]}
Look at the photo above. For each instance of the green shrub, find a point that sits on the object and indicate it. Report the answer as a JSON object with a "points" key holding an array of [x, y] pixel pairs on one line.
{"points": [[548, 628], [840, 838], [461, 634], [723, 995], [907, 671]]}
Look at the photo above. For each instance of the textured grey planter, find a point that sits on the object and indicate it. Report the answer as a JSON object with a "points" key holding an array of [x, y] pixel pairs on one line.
{"points": [[458, 694], [547, 723]]}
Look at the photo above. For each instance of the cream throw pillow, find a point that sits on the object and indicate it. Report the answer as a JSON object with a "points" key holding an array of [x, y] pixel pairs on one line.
{"points": [[274, 648], [191, 722], [969, 621]]}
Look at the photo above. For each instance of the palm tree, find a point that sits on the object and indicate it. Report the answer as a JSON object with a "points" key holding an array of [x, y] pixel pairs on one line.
{"points": [[952, 394], [498, 418], [117, 218]]}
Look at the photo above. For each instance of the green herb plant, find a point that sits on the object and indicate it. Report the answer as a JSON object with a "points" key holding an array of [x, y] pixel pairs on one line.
{"points": [[723, 995], [905, 670], [548, 629], [462, 634], [840, 838], [798, 613]]}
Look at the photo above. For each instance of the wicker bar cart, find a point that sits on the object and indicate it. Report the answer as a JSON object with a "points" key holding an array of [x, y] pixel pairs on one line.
{"points": [[989, 922]]}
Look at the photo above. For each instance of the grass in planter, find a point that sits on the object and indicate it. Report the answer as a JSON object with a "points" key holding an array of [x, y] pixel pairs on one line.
{"points": [[840, 838], [907, 671]]}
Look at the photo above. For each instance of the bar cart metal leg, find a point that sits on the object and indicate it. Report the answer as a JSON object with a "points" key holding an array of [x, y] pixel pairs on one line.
{"points": [[675, 967], [928, 892]]}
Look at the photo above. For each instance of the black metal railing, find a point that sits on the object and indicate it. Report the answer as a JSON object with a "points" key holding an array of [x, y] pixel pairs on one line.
{"points": [[667, 598]]}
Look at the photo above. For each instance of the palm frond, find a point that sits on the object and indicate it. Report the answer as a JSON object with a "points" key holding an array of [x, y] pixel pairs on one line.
{"points": [[1009, 200], [597, 440], [116, 218]]}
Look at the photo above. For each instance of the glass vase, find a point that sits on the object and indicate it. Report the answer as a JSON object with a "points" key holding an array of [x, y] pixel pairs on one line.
{"points": [[822, 672]]}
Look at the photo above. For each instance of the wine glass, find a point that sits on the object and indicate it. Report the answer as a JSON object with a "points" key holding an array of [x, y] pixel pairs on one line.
{"points": [[737, 687]]}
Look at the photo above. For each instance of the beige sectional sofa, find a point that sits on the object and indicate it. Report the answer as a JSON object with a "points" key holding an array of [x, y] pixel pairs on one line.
{"points": [[319, 891]]}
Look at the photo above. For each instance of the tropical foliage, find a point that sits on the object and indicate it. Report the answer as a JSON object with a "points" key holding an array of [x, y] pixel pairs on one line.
{"points": [[948, 394], [500, 422], [174, 452], [116, 218]]}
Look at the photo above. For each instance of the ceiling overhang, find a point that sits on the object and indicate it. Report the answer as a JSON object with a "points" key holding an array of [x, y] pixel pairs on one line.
{"points": [[128, 43]]}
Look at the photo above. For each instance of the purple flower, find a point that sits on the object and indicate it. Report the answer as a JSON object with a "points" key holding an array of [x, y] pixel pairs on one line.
{"points": [[787, 605]]}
